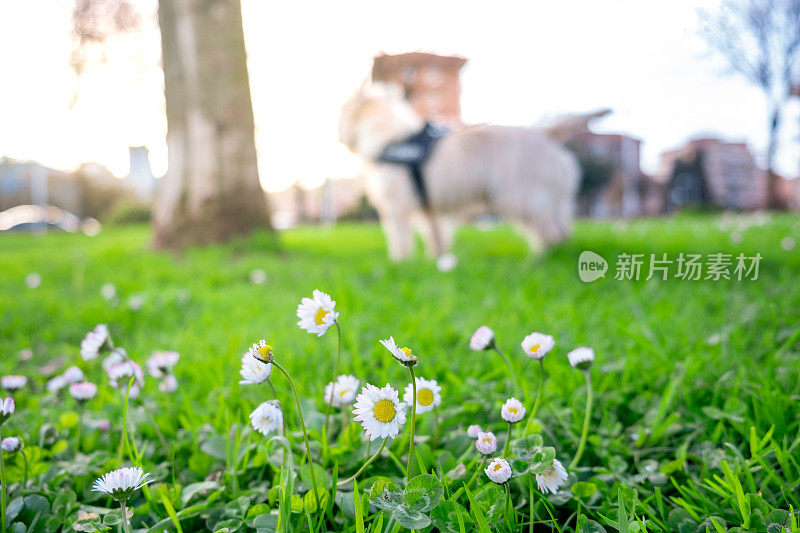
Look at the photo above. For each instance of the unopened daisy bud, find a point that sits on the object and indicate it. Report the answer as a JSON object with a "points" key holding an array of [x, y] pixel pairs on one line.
{"points": [[341, 392], [581, 358], [11, 444], [94, 341], [317, 314], [121, 484], [486, 443], [261, 351], [380, 411], [253, 370], [169, 384], [403, 355], [6, 409], [537, 345], [83, 392], [473, 431], [267, 417], [552, 478], [73, 375], [499, 471], [482, 339], [428, 395], [13, 383], [512, 411]]}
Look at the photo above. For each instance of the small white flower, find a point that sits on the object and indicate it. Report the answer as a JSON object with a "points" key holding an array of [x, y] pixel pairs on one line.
{"points": [[446, 262], [788, 244], [380, 411], [73, 375], [536, 345], [135, 302], [267, 417], [428, 395], [486, 443], [6, 409], [120, 374], [403, 355], [498, 470], [169, 384], [94, 341], [83, 392], [581, 358], [108, 291], [261, 351], [473, 431], [120, 484], [33, 280], [513, 411], [161, 363], [117, 355], [258, 276], [317, 314], [11, 444], [552, 478], [13, 383], [342, 392], [482, 339], [56, 383], [254, 371]]}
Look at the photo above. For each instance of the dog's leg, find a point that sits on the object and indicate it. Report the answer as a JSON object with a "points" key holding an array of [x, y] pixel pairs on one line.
{"points": [[532, 233], [399, 236], [438, 239]]}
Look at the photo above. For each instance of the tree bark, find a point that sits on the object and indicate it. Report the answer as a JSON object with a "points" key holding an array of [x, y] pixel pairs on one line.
{"points": [[211, 191], [774, 201]]}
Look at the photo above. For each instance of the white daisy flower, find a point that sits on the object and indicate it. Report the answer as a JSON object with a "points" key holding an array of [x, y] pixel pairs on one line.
{"points": [[317, 314], [13, 383], [94, 341], [581, 358], [473, 431], [258, 276], [536, 345], [161, 363], [428, 395], [403, 355], [254, 371], [117, 355], [267, 417], [486, 443], [446, 262], [498, 470], [120, 484], [56, 383], [380, 411], [482, 339], [6, 409], [108, 291], [120, 374], [552, 478], [73, 375], [11, 444], [33, 280], [342, 392], [261, 351], [513, 411], [83, 392], [169, 384]]}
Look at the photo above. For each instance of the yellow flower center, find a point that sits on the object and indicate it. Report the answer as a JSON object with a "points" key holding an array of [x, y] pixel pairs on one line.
{"points": [[407, 352], [320, 318], [497, 467], [512, 410], [264, 351], [487, 441], [535, 348], [425, 397], [384, 411], [343, 392]]}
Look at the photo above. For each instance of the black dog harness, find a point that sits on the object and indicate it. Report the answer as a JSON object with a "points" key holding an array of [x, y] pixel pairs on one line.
{"points": [[412, 152]]}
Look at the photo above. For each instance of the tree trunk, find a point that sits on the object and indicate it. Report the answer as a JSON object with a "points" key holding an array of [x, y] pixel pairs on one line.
{"points": [[774, 201], [211, 190]]}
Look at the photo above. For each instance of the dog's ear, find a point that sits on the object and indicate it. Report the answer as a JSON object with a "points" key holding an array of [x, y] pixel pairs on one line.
{"points": [[395, 90]]}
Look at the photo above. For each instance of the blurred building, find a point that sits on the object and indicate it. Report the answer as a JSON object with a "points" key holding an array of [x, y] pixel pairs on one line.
{"points": [[27, 182], [140, 178], [432, 83], [332, 201]]}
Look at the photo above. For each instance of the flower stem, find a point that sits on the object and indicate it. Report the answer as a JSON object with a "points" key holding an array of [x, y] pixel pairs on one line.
{"points": [[305, 432], [586, 418], [413, 417], [2, 489], [365, 465], [80, 429], [24, 469], [508, 364], [530, 502], [126, 527], [477, 471], [508, 441], [335, 374], [435, 426], [538, 402]]}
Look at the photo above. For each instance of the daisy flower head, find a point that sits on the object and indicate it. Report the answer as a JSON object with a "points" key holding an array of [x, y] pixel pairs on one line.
{"points": [[261, 351], [6, 409], [380, 411], [254, 371], [117, 355], [120, 484], [428, 395], [499, 471], [473, 431], [161, 363], [73, 375], [403, 355], [267, 417], [94, 341], [120, 374], [552, 478], [342, 391], [581, 358], [11, 444], [317, 313], [486, 443], [13, 383], [537, 345], [169, 384], [482, 339], [83, 392], [56, 383], [512, 411]]}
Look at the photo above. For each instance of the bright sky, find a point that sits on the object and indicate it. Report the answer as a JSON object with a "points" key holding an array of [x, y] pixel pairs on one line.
{"points": [[527, 60]]}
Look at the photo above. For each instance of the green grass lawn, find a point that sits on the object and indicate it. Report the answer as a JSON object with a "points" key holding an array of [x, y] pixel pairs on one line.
{"points": [[696, 383]]}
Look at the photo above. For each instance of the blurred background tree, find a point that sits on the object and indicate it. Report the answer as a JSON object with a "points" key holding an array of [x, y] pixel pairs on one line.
{"points": [[211, 191], [761, 41]]}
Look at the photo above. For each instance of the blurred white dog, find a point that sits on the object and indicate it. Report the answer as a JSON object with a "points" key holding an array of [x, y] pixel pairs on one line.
{"points": [[523, 174]]}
